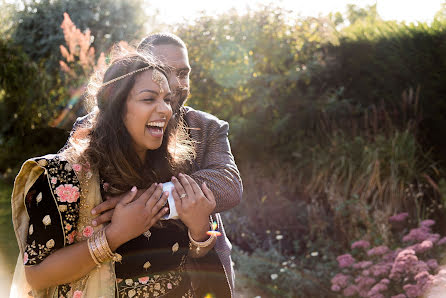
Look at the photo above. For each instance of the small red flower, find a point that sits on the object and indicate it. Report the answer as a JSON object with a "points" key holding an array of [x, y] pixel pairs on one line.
{"points": [[88, 231], [25, 258], [77, 167], [78, 294], [68, 227], [71, 237], [143, 280]]}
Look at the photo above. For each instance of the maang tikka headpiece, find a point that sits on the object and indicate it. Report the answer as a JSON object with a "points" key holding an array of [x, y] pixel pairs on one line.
{"points": [[157, 76]]}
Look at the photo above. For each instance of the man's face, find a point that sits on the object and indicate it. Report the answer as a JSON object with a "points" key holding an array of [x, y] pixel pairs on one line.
{"points": [[175, 57]]}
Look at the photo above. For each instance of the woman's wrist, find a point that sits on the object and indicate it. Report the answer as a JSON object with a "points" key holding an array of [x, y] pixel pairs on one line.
{"points": [[199, 232], [113, 238]]}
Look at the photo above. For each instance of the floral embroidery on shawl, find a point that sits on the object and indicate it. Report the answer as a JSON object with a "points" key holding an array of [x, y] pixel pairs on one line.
{"points": [[61, 195]]}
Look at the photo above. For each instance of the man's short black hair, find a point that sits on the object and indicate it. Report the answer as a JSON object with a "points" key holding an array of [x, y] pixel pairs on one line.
{"points": [[163, 38]]}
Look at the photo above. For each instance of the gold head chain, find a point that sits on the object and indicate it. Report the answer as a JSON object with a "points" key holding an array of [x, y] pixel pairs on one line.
{"points": [[157, 77]]}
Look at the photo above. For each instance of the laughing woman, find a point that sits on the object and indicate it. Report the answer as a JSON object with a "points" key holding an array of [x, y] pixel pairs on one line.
{"points": [[129, 144]]}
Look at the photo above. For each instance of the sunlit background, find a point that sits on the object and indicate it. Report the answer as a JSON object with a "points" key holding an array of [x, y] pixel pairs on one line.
{"points": [[172, 11], [252, 85]]}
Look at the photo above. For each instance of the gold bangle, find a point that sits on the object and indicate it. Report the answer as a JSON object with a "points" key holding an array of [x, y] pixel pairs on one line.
{"points": [[105, 247], [95, 248], [90, 250], [102, 256], [202, 244], [107, 250]]}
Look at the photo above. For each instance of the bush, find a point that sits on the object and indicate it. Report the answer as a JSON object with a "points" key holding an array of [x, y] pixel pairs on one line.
{"points": [[281, 276], [406, 269]]}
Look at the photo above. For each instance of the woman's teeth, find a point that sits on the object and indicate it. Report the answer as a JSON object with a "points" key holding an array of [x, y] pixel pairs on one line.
{"points": [[156, 124]]}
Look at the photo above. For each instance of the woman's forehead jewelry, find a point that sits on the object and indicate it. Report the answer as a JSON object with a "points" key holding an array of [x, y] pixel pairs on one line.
{"points": [[157, 77], [159, 74]]}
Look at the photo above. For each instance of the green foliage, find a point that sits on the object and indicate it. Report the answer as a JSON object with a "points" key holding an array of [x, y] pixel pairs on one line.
{"points": [[368, 14], [281, 276], [26, 105], [8, 245], [39, 34], [7, 10], [21, 109]]}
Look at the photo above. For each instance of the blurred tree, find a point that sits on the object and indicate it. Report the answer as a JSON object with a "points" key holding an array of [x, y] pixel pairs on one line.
{"points": [[441, 14], [7, 10], [366, 14], [39, 34]]}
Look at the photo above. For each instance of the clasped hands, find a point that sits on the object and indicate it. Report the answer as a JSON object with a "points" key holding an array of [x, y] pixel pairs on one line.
{"points": [[134, 212]]}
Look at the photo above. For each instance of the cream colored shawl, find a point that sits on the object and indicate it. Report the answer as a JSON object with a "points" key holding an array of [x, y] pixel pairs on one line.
{"points": [[101, 281]]}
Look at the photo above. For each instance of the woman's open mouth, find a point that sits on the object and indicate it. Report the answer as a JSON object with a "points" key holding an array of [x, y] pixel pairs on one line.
{"points": [[155, 128]]}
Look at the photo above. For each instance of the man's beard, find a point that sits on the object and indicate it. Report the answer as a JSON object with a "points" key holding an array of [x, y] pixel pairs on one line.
{"points": [[181, 94]]}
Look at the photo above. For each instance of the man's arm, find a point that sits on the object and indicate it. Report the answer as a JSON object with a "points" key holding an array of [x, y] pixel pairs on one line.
{"points": [[214, 163]]}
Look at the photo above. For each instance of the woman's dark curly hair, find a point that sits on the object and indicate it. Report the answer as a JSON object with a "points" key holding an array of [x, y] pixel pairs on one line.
{"points": [[104, 142]]}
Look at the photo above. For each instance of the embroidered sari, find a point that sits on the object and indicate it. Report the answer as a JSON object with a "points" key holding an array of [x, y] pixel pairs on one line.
{"points": [[51, 208]]}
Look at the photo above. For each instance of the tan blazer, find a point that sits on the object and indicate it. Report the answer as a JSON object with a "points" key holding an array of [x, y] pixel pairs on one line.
{"points": [[215, 165]]}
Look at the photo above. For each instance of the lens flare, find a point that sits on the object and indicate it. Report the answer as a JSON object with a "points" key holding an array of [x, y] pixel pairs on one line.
{"points": [[213, 231]]}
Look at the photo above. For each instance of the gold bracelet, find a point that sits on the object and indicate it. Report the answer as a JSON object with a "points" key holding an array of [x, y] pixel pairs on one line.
{"points": [[100, 250], [202, 244], [106, 250], [90, 249], [114, 256]]}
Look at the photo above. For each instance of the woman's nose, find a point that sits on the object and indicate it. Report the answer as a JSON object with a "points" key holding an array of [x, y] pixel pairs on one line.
{"points": [[164, 108]]}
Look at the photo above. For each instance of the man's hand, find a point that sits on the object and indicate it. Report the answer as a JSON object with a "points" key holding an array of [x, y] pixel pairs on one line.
{"points": [[106, 208], [194, 205]]}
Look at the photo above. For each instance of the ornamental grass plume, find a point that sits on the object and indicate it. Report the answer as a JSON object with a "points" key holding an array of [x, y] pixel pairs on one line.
{"points": [[406, 270]]}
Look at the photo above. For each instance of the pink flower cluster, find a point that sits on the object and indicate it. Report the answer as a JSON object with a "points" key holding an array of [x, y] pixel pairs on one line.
{"points": [[399, 217], [360, 244], [383, 272], [345, 260], [377, 251]]}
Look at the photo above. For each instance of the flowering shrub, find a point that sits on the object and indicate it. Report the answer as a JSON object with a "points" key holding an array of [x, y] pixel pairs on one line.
{"points": [[378, 272]]}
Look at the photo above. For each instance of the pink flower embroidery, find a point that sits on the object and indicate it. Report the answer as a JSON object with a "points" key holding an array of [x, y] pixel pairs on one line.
{"points": [[67, 193], [106, 186], [25, 258], [77, 167], [169, 286], [68, 227], [77, 294], [143, 280], [71, 237], [88, 231], [54, 180]]}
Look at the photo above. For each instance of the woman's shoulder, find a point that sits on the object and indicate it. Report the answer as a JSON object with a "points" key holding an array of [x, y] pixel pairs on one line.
{"points": [[60, 175]]}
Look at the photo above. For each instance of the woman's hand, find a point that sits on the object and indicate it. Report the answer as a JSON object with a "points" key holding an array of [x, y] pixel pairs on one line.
{"points": [[107, 207], [132, 218], [194, 205]]}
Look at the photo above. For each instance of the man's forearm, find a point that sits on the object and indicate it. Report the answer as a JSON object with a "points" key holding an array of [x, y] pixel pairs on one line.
{"points": [[226, 185]]}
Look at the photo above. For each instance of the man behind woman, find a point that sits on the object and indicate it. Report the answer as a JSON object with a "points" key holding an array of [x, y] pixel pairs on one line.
{"points": [[127, 143]]}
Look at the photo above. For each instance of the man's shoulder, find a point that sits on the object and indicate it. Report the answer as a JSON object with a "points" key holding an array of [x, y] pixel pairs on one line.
{"points": [[202, 119]]}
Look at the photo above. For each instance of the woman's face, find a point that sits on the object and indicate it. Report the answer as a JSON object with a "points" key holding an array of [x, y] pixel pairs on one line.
{"points": [[148, 111]]}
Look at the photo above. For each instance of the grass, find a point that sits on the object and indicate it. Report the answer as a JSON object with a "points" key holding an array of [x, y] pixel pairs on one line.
{"points": [[8, 243]]}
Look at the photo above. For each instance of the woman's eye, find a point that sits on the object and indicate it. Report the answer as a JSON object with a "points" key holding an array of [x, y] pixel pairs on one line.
{"points": [[148, 99]]}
